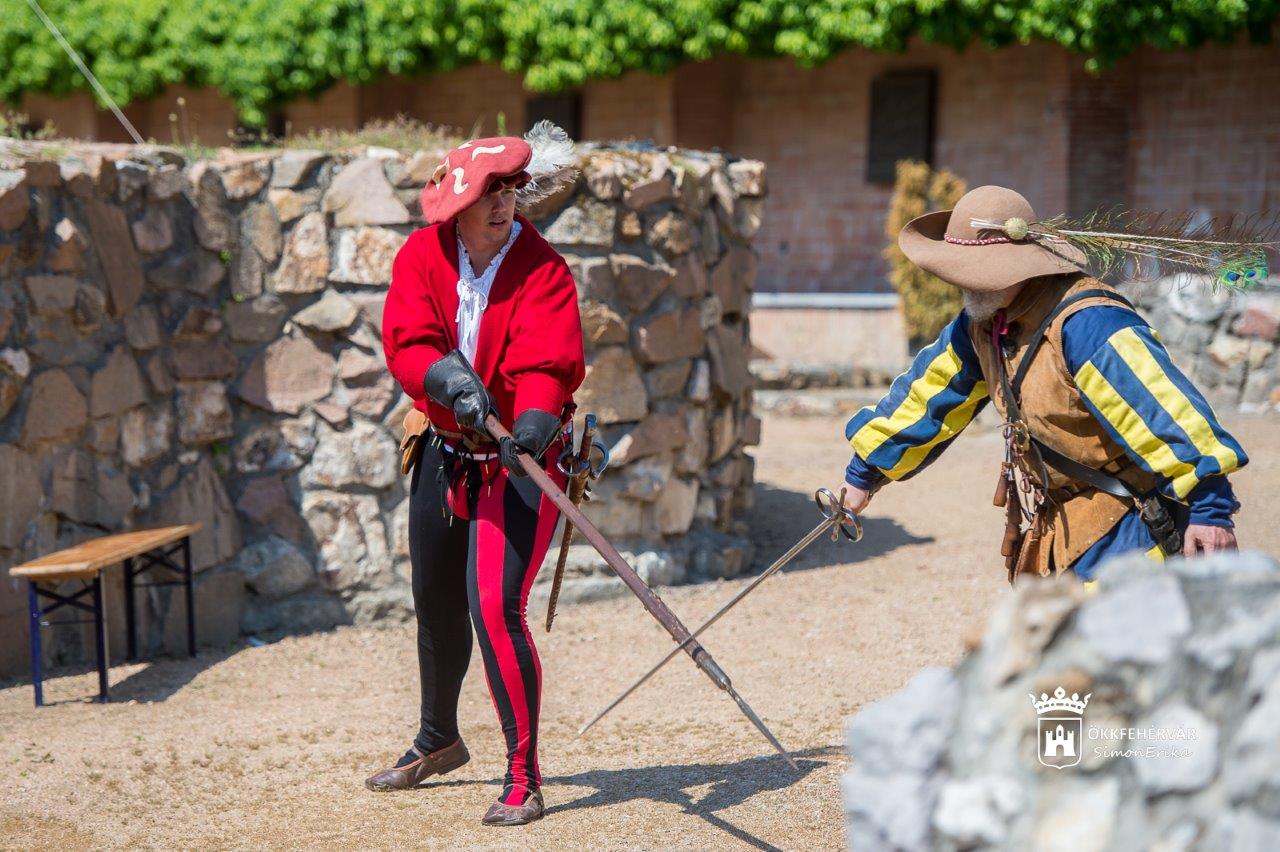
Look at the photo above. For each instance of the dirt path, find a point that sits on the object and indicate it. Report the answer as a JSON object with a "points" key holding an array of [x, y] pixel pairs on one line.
{"points": [[267, 747]]}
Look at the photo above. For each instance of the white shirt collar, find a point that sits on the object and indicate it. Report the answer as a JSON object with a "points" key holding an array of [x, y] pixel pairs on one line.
{"points": [[473, 292]]}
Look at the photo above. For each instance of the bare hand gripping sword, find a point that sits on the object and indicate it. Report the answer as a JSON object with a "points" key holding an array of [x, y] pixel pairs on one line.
{"points": [[654, 604], [836, 519]]}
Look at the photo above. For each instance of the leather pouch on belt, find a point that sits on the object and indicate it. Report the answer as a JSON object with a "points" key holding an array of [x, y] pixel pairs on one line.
{"points": [[1033, 556], [415, 426]]}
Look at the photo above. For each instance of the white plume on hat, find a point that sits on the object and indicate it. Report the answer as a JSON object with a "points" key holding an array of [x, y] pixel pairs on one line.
{"points": [[551, 168]]}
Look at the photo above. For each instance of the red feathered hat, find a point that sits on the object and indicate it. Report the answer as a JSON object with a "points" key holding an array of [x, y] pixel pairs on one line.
{"points": [[469, 170]]}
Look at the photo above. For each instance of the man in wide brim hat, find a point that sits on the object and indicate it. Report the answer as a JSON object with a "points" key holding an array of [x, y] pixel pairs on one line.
{"points": [[481, 317], [1110, 448]]}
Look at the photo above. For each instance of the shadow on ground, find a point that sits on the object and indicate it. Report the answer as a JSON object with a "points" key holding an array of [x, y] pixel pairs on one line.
{"points": [[731, 784], [155, 679], [779, 518]]}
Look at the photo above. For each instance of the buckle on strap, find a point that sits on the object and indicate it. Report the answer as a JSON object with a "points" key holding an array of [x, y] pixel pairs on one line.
{"points": [[1160, 522]]}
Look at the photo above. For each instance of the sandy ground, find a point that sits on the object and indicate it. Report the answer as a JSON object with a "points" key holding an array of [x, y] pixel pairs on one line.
{"points": [[267, 746]]}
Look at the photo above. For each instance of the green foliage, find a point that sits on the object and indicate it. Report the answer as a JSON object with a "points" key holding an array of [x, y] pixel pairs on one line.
{"points": [[928, 302], [262, 53]]}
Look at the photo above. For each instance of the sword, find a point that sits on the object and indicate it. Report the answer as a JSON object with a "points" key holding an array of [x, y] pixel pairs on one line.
{"points": [[654, 604], [579, 469], [836, 519]]}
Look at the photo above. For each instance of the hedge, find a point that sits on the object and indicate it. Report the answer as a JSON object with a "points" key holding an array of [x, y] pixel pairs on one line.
{"points": [[261, 53]]}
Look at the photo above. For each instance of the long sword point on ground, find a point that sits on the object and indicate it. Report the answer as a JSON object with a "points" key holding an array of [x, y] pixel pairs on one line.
{"points": [[654, 604], [836, 519]]}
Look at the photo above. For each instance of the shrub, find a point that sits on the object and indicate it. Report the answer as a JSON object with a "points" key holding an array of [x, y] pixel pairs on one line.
{"points": [[928, 302]]}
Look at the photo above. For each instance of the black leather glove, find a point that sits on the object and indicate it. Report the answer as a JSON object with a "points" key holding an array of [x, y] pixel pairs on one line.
{"points": [[453, 383], [532, 433]]}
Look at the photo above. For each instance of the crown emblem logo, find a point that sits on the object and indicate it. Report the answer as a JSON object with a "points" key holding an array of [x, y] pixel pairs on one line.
{"points": [[1060, 728], [1060, 701]]}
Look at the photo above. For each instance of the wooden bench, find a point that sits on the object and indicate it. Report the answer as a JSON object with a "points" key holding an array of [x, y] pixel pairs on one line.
{"points": [[138, 551]]}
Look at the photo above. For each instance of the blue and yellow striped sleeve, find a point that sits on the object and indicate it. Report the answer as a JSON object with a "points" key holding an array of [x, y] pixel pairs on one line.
{"points": [[925, 408], [1130, 384]]}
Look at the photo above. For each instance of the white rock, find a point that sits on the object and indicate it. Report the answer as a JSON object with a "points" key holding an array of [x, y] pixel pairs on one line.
{"points": [[1174, 764], [1142, 621], [363, 456]]}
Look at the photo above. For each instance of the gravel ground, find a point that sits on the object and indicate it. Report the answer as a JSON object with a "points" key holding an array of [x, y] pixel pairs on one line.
{"points": [[267, 747]]}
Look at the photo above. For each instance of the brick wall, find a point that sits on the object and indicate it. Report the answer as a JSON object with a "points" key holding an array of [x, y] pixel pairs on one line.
{"points": [[1164, 130], [635, 106], [1206, 129], [999, 119]]}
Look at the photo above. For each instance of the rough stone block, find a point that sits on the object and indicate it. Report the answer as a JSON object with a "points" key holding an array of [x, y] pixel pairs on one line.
{"points": [[638, 283], [55, 412], [668, 380], [203, 413], [289, 374], [351, 539], [657, 433], [733, 278], [365, 456], [676, 506], [20, 494], [587, 223], [361, 195], [304, 266], [145, 434], [153, 233], [671, 335], [613, 389], [203, 361], [332, 314], [672, 234], [15, 199]]}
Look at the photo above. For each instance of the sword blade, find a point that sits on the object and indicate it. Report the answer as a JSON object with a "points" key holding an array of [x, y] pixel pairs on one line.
{"points": [[762, 727], [654, 604], [778, 564]]}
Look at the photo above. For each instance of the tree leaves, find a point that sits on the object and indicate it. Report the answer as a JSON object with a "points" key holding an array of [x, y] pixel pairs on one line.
{"points": [[261, 53]]}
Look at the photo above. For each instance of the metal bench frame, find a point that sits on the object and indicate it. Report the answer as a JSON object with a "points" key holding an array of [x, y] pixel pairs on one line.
{"points": [[161, 557]]}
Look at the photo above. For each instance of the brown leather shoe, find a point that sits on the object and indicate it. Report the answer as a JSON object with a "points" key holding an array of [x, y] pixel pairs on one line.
{"points": [[411, 775], [500, 814]]}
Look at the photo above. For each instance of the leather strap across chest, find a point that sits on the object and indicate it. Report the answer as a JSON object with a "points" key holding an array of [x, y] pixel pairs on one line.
{"points": [[1012, 390]]}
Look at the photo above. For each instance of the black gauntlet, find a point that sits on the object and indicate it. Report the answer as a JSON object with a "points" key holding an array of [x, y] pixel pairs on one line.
{"points": [[532, 433], [453, 383]]}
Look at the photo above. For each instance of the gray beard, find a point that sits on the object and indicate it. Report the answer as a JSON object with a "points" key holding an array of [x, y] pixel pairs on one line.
{"points": [[982, 306]]}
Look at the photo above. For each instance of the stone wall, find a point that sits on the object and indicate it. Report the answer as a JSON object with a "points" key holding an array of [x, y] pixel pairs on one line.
{"points": [[201, 341], [1179, 670], [1226, 343]]}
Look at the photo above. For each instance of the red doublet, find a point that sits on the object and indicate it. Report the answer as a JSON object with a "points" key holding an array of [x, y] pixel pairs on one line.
{"points": [[529, 353]]}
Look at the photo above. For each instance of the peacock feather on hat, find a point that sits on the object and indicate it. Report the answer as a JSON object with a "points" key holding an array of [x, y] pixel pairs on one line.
{"points": [[1141, 246]]}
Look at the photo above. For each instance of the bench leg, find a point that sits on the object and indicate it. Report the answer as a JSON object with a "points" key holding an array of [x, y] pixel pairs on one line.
{"points": [[130, 614], [100, 637], [37, 661], [188, 579]]}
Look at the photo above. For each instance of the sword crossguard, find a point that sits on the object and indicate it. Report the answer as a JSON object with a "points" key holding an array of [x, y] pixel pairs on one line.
{"points": [[832, 508], [573, 465], [598, 467]]}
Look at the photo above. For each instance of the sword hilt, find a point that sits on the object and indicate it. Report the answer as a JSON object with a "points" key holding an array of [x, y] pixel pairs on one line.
{"points": [[833, 509]]}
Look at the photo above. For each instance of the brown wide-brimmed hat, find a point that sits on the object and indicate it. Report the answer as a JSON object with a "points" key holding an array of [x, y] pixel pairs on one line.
{"points": [[993, 256]]}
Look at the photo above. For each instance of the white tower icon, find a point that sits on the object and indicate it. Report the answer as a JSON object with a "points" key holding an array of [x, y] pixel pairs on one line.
{"points": [[1059, 743]]}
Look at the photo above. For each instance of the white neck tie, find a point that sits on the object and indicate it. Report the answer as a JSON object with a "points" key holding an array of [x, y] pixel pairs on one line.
{"points": [[473, 293]]}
